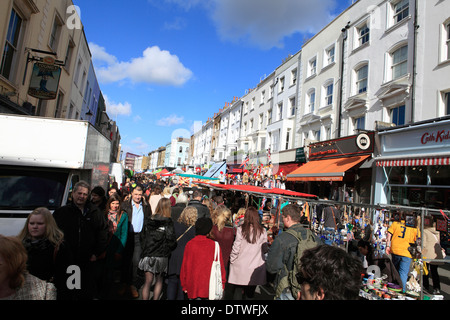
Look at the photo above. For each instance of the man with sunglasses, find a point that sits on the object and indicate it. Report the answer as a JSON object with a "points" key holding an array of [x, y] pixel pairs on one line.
{"points": [[329, 273]]}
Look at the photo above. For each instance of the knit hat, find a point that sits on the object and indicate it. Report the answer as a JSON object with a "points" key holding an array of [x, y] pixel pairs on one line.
{"points": [[203, 226]]}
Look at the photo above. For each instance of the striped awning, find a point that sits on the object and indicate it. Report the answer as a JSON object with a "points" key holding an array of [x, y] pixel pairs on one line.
{"points": [[441, 161]]}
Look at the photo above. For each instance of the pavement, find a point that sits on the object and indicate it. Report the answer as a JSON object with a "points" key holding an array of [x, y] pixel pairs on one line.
{"points": [[444, 275]]}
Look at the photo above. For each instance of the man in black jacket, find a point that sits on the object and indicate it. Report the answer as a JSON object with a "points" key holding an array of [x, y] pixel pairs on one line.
{"points": [[86, 234], [202, 210], [137, 209]]}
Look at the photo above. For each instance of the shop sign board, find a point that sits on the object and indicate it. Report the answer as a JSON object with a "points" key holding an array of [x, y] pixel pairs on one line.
{"points": [[300, 156], [354, 145], [423, 139], [44, 80]]}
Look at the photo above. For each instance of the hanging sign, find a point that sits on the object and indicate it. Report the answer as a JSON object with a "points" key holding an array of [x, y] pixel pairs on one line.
{"points": [[44, 80]]}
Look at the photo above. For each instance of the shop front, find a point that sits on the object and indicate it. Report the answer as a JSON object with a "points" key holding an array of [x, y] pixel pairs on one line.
{"points": [[339, 169], [413, 167]]}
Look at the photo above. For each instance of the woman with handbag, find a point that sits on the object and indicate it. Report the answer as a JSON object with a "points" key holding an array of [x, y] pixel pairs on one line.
{"points": [[197, 262], [247, 264], [158, 241]]}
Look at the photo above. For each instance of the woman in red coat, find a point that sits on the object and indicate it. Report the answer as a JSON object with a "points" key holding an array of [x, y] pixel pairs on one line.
{"points": [[197, 261]]}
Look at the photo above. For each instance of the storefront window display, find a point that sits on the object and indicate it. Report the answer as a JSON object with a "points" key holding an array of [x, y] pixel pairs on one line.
{"points": [[426, 186]]}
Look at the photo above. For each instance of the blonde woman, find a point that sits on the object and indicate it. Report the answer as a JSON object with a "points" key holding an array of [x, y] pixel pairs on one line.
{"points": [[223, 232], [15, 282], [184, 232], [48, 256]]}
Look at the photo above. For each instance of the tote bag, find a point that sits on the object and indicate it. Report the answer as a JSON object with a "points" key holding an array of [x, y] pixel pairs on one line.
{"points": [[215, 280]]}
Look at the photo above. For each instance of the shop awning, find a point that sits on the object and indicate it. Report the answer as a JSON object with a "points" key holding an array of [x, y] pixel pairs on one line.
{"points": [[434, 161], [215, 170], [285, 168], [259, 190], [325, 170]]}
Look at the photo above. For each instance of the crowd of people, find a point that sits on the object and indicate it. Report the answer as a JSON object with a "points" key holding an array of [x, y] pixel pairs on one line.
{"points": [[151, 240]]}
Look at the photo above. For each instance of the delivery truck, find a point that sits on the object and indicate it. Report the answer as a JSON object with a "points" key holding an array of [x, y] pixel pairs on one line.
{"points": [[40, 161]]}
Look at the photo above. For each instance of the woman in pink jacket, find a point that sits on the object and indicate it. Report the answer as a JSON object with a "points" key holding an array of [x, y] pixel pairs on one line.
{"points": [[247, 264]]}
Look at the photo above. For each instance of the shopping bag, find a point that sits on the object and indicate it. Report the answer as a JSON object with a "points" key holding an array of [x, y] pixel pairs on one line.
{"points": [[215, 280]]}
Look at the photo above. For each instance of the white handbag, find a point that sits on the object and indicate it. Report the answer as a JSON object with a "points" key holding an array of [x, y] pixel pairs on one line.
{"points": [[215, 280]]}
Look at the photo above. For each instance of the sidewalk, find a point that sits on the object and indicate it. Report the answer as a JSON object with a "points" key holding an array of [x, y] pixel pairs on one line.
{"points": [[444, 274]]}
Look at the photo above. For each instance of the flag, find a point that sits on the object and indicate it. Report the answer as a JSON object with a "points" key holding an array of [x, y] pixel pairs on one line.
{"points": [[244, 162]]}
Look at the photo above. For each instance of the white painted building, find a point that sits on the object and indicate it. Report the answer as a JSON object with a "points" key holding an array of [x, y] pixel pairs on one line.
{"points": [[82, 64], [202, 143], [283, 109], [432, 65], [318, 101]]}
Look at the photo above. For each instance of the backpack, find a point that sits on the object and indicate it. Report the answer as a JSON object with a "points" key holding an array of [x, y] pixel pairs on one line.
{"points": [[288, 282]]}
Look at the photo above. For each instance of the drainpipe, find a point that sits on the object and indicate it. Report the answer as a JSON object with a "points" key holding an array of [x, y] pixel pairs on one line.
{"points": [[344, 38], [413, 81]]}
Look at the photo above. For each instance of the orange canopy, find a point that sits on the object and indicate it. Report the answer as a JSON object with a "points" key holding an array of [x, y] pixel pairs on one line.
{"points": [[325, 170]]}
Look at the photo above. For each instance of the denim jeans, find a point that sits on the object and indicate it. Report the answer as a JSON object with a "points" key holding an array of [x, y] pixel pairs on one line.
{"points": [[402, 265]]}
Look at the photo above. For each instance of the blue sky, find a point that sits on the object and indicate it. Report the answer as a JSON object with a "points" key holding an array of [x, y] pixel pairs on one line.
{"points": [[163, 65]]}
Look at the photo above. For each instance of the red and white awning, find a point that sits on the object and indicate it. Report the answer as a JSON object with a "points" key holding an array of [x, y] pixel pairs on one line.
{"points": [[442, 161]]}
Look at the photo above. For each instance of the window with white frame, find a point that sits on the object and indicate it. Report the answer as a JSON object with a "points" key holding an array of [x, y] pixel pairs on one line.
{"points": [[287, 139], [361, 79], [292, 106], [55, 34], [329, 55], [399, 65], [445, 41], [269, 116], [261, 121], [311, 100], [281, 85], [400, 10], [317, 135], [294, 77], [447, 103], [11, 51], [312, 66], [363, 34], [328, 93], [69, 54], [359, 123], [263, 96], [253, 104], [397, 115], [280, 111]]}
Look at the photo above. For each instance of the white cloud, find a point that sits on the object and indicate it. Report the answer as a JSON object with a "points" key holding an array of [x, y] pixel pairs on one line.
{"points": [[99, 54], [155, 66], [139, 144], [170, 121], [264, 23], [114, 109]]}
